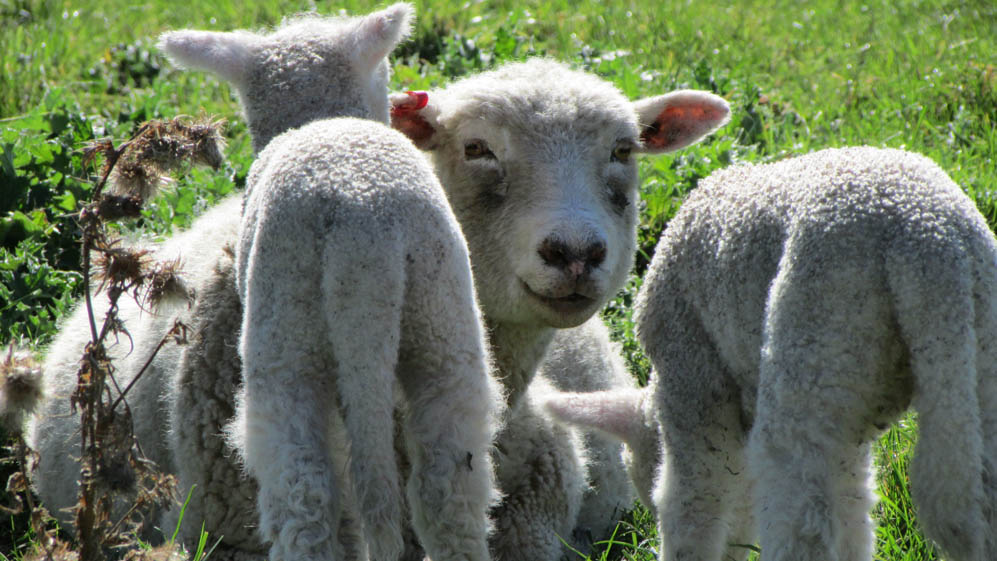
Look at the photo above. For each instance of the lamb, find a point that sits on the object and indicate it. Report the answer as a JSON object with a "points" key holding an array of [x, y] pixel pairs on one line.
{"points": [[543, 180], [389, 315], [563, 187], [793, 311], [54, 431], [361, 207]]}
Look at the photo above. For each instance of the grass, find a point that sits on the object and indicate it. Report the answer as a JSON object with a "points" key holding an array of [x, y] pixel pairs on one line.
{"points": [[917, 74]]}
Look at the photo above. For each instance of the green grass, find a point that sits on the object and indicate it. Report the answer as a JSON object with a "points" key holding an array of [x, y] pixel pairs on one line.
{"points": [[800, 76]]}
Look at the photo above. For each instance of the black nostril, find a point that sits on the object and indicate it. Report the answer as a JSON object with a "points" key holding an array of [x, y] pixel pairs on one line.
{"points": [[595, 254], [556, 253]]}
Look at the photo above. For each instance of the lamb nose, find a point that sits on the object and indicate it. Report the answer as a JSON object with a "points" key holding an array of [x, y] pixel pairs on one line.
{"points": [[556, 253]]}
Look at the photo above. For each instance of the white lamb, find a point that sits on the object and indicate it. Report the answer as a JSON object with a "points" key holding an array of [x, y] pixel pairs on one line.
{"points": [[537, 161], [355, 271], [357, 298], [357, 294], [792, 312]]}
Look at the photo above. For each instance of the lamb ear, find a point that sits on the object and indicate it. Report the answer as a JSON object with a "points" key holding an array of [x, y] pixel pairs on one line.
{"points": [[379, 32], [678, 119], [618, 413], [227, 54], [415, 115]]}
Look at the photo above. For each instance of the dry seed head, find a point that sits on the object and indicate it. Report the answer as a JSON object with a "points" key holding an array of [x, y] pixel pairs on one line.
{"points": [[162, 147], [165, 285], [20, 388], [137, 178], [207, 140], [115, 207], [120, 266]]}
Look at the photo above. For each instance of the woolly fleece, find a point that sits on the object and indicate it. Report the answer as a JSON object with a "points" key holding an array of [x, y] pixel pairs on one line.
{"points": [[792, 312]]}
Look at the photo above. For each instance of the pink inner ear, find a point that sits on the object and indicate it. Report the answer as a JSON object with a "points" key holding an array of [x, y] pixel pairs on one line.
{"points": [[677, 123]]}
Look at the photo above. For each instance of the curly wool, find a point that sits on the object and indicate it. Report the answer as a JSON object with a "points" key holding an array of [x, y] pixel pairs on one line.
{"points": [[792, 312]]}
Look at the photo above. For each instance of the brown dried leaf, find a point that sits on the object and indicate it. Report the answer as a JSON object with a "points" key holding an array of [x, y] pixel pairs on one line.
{"points": [[104, 147], [17, 483]]}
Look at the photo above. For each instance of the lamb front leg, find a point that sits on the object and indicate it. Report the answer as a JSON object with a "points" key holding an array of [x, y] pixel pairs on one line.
{"points": [[543, 478]]}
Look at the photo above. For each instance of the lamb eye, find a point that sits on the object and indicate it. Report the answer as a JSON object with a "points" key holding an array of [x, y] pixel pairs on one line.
{"points": [[475, 149], [621, 153]]}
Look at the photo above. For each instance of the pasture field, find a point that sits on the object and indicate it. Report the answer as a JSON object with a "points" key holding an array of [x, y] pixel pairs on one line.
{"points": [[800, 76]]}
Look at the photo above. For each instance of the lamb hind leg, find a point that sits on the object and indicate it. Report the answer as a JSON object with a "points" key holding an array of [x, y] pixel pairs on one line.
{"points": [[743, 536], [697, 490], [813, 495], [702, 474], [803, 449], [854, 500], [447, 432], [363, 315], [819, 395], [793, 504], [286, 451]]}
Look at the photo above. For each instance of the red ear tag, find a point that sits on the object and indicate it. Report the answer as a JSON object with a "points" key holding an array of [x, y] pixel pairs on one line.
{"points": [[421, 99], [415, 102], [407, 118]]}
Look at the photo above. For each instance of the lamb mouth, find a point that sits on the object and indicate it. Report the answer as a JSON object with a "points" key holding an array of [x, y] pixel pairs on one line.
{"points": [[572, 303]]}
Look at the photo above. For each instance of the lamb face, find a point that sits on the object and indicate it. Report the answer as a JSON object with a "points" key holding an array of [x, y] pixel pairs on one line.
{"points": [[538, 163], [547, 193]]}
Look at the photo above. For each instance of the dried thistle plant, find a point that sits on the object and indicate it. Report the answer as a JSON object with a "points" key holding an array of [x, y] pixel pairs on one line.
{"points": [[113, 470], [21, 391], [111, 460], [142, 165]]}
